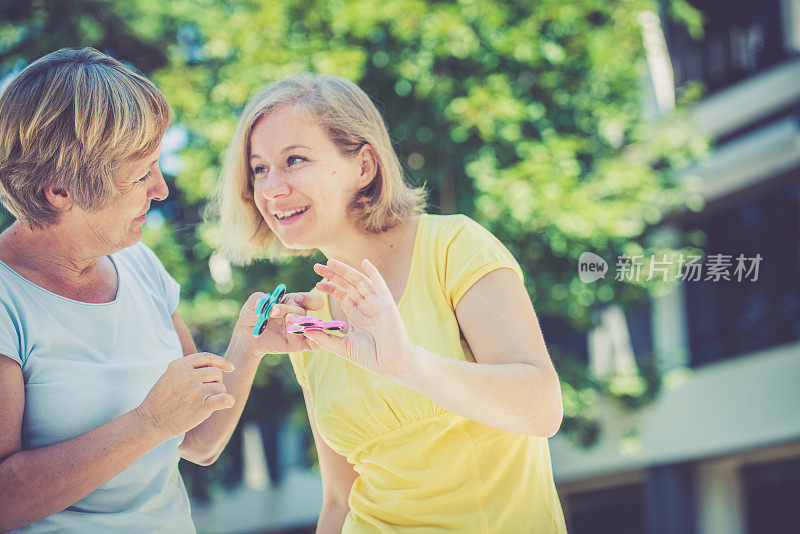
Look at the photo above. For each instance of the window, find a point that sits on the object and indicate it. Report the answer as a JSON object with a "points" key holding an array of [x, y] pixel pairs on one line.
{"points": [[617, 510], [772, 492], [742, 38], [731, 318]]}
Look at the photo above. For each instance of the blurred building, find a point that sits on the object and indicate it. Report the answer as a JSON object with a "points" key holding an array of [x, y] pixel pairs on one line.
{"points": [[718, 453]]}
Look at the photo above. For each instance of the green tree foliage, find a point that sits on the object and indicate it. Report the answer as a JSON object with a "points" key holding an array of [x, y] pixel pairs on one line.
{"points": [[527, 116]]}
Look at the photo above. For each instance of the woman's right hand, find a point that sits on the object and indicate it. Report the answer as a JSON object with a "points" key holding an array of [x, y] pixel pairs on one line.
{"points": [[188, 392], [275, 339]]}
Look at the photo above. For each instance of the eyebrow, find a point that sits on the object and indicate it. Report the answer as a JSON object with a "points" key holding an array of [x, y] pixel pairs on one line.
{"points": [[148, 170], [287, 149]]}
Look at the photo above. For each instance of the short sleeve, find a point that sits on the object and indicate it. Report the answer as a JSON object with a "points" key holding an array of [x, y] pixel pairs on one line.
{"points": [[468, 253], [171, 288], [10, 335], [298, 364]]}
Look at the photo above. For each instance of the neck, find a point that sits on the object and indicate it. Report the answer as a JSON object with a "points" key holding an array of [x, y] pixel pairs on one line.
{"points": [[380, 249], [54, 250]]}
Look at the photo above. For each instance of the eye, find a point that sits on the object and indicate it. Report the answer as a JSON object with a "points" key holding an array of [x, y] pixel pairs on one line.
{"points": [[258, 169], [292, 160], [145, 177]]}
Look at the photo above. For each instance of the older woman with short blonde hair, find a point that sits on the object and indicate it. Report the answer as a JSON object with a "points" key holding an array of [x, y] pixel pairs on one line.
{"points": [[102, 387]]}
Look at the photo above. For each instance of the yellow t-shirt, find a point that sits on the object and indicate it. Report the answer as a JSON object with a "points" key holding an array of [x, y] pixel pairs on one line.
{"points": [[421, 467]]}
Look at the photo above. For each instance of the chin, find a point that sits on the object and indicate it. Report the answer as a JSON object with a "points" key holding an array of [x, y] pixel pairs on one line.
{"points": [[295, 245], [292, 240], [131, 238]]}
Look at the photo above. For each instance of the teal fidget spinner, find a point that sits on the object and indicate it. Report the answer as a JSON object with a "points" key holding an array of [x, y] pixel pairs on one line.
{"points": [[264, 305]]}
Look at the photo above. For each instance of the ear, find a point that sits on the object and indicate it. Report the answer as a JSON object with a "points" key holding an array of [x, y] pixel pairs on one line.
{"points": [[59, 198], [369, 165]]}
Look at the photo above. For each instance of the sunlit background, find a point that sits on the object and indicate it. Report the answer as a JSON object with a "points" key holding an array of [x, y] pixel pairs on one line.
{"points": [[646, 132]]}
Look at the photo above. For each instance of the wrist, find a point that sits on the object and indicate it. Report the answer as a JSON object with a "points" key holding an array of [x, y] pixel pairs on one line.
{"points": [[243, 346], [410, 369], [146, 424]]}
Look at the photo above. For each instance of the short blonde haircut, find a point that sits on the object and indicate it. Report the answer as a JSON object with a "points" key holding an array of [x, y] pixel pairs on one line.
{"points": [[350, 120], [68, 120]]}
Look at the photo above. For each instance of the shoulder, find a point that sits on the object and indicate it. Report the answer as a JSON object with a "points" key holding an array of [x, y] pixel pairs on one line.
{"points": [[459, 233], [16, 310], [447, 223], [450, 225], [15, 292], [463, 252]]}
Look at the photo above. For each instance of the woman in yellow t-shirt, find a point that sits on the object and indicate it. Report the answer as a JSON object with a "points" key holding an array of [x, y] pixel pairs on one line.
{"points": [[432, 413]]}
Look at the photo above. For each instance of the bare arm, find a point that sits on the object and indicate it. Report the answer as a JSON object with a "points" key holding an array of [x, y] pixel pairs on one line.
{"points": [[511, 386], [40, 482], [337, 479], [516, 389], [203, 445]]}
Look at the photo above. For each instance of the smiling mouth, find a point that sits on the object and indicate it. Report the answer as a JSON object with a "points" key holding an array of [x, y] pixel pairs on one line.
{"points": [[284, 215]]}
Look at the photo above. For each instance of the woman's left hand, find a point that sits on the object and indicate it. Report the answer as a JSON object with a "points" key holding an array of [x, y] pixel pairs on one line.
{"points": [[274, 339], [377, 340]]}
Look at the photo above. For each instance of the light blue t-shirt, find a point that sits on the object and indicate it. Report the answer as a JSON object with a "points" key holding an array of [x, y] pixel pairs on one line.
{"points": [[85, 364]]}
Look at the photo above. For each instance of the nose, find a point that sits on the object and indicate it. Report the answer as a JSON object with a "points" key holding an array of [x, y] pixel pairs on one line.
{"points": [[158, 189], [272, 186]]}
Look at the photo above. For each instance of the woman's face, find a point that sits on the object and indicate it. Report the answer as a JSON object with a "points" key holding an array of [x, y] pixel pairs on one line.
{"points": [[302, 183], [119, 224]]}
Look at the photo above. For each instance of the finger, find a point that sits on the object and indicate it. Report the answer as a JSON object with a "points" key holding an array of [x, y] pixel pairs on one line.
{"points": [[209, 374], [351, 276], [306, 300], [357, 285], [336, 291], [322, 340], [340, 281], [213, 388], [253, 299], [298, 343], [220, 401], [280, 310], [375, 277], [206, 359], [310, 301]]}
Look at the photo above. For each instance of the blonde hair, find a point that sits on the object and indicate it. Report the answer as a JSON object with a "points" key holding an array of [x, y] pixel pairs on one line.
{"points": [[350, 120], [67, 121]]}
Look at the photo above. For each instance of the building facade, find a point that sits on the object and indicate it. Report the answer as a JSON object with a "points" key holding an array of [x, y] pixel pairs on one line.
{"points": [[719, 451]]}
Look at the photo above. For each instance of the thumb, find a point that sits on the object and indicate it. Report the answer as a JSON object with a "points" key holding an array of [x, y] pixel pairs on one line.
{"points": [[310, 301], [220, 401], [334, 344]]}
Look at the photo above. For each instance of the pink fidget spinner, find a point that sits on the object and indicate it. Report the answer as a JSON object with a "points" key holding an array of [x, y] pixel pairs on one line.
{"points": [[298, 325]]}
